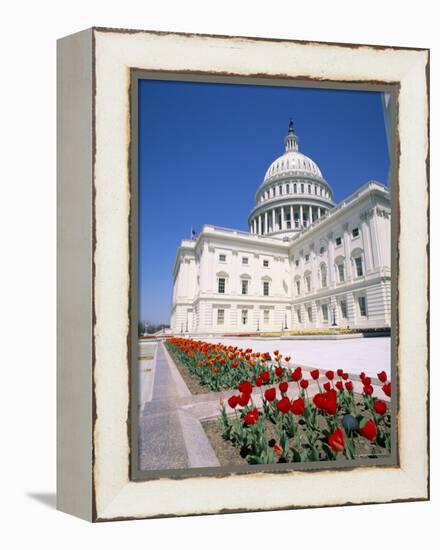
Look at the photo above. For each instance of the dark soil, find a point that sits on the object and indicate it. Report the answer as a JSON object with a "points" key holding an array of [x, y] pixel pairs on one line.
{"points": [[227, 454], [190, 380]]}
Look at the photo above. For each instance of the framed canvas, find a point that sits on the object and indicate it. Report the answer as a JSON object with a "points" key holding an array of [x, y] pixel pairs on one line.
{"points": [[242, 274]]}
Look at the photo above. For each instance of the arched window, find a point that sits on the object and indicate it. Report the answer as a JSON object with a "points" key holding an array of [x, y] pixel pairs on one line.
{"points": [[323, 274], [308, 281], [358, 260], [340, 268]]}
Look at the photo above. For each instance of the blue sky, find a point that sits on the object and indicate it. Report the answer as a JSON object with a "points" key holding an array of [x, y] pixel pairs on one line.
{"points": [[204, 149]]}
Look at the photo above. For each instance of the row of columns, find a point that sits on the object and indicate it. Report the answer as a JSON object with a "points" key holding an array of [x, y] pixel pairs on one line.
{"points": [[267, 221]]}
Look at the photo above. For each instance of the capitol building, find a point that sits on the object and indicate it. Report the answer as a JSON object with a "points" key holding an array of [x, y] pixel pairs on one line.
{"points": [[306, 263]]}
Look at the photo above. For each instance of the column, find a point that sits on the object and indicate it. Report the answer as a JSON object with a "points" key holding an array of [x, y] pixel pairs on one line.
{"points": [[347, 254], [282, 218], [266, 228], [366, 242], [301, 221], [259, 224], [310, 215], [291, 217], [273, 220], [331, 259], [319, 212]]}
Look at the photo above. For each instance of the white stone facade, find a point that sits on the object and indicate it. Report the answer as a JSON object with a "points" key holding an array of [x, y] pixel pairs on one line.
{"points": [[305, 264]]}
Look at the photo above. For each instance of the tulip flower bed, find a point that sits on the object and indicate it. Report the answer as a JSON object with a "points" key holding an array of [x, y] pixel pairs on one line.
{"points": [[334, 424], [220, 367], [326, 421]]}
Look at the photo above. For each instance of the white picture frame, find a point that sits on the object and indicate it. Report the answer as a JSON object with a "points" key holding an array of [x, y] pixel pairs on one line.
{"points": [[94, 288]]}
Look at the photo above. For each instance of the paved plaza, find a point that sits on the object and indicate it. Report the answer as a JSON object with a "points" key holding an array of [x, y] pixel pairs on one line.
{"points": [[370, 355]]}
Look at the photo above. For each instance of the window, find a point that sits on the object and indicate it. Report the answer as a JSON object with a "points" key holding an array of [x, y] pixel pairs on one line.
{"points": [[245, 260], [324, 310], [359, 266], [343, 306], [302, 188], [309, 187], [280, 189], [222, 258], [244, 286], [265, 263], [297, 263], [266, 314], [355, 232], [244, 316], [323, 276], [341, 272], [338, 241], [362, 306], [220, 316], [309, 314], [298, 315], [322, 250], [298, 288], [307, 257], [265, 288], [221, 285], [308, 283]]}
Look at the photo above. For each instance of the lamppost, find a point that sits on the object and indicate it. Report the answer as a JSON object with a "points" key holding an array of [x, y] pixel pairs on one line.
{"points": [[181, 328], [334, 317], [285, 321], [258, 325], [186, 325]]}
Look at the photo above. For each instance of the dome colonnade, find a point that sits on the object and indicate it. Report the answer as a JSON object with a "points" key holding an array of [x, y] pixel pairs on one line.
{"points": [[293, 194]]}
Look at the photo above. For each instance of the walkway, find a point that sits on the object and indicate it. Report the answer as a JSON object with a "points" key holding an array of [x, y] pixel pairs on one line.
{"points": [[170, 435]]}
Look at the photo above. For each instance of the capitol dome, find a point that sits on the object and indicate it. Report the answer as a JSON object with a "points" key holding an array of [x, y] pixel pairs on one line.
{"points": [[293, 194]]}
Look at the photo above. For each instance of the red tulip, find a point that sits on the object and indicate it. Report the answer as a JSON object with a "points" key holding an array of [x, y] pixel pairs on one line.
{"points": [[265, 375], [276, 352], [304, 384], [259, 381], [279, 371], [283, 387], [368, 390], [234, 365], [339, 385], [340, 372], [345, 375], [326, 401], [251, 417], [297, 374], [387, 389], [278, 450], [270, 394], [362, 375], [349, 386], [330, 374], [287, 359], [283, 405], [366, 381], [336, 440], [245, 387], [368, 430], [327, 386], [382, 376], [243, 399], [314, 374], [233, 401], [297, 407], [380, 407]]}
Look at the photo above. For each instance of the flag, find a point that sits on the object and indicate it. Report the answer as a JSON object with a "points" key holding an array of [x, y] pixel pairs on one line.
{"points": [[194, 235]]}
